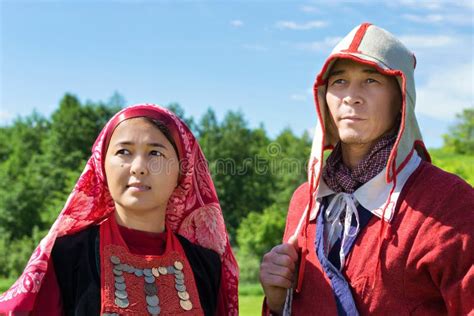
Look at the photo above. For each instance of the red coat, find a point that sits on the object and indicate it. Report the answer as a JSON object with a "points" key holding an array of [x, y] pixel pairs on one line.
{"points": [[427, 256]]}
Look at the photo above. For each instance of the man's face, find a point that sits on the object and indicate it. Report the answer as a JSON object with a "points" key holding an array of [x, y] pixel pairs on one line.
{"points": [[364, 103]]}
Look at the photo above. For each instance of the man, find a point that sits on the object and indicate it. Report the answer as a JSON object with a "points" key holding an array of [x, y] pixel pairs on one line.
{"points": [[377, 229]]}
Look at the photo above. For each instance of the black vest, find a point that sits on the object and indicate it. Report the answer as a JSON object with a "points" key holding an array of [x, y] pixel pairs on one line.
{"points": [[76, 263]]}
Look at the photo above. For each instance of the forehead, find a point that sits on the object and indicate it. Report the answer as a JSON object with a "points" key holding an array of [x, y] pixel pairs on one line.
{"points": [[350, 66], [136, 128]]}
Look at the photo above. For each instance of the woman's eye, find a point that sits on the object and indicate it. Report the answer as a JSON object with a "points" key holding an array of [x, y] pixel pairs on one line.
{"points": [[156, 153], [370, 80], [122, 152]]}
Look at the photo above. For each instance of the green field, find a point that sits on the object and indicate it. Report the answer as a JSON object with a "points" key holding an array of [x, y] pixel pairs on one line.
{"points": [[250, 297]]}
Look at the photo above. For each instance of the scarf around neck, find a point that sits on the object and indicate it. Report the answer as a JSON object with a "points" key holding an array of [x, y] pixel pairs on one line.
{"points": [[340, 178]]}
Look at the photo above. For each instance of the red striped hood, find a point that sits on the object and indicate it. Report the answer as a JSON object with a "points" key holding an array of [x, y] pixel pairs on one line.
{"points": [[374, 46]]}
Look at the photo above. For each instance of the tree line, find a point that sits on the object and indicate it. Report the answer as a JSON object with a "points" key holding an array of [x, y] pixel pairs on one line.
{"points": [[254, 174]]}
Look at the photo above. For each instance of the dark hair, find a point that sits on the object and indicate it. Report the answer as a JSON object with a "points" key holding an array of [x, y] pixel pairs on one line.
{"points": [[165, 130]]}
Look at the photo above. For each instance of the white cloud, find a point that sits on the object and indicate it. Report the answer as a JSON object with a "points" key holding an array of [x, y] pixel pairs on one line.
{"points": [[290, 25], [5, 117], [447, 91], [416, 42], [303, 96], [423, 4], [236, 23], [299, 97], [456, 19], [322, 46], [255, 47], [308, 9], [430, 18]]}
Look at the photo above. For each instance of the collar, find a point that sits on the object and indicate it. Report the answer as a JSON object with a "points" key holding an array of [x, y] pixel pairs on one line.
{"points": [[375, 194]]}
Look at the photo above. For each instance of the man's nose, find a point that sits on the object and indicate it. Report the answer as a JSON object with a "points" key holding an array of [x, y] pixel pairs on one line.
{"points": [[352, 96]]}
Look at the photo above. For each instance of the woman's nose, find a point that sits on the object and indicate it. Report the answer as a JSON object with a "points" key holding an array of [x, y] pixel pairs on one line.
{"points": [[139, 166]]}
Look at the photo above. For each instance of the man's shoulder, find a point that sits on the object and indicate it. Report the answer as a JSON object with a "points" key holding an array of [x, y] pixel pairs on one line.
{"points": [[439, 181], [438, 193]]}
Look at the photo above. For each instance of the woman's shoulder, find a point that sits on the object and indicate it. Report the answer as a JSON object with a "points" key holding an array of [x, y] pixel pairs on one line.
{"points": [[73, 243], [198, 253]]}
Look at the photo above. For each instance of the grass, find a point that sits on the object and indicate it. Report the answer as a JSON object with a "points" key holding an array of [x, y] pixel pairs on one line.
{"points": [[5, 284], [250, 297]]}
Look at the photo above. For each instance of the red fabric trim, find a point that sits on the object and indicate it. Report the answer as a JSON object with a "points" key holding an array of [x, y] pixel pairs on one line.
{"points": [[358, 38], [112, 243]]}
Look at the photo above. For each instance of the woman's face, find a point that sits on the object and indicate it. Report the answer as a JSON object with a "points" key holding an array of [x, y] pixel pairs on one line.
{"points": [[141, 167]]}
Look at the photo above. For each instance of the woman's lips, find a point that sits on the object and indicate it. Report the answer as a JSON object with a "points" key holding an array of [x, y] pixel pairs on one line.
{"points": [[138, 187]]}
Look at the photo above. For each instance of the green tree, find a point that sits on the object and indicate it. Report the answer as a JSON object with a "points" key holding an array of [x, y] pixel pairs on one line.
{"points": [[461, 136], [241, 174], [20, 188]]}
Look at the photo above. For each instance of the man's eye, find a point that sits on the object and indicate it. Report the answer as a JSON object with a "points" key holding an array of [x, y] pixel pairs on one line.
{"points": [[122, 152], [339, 81]]}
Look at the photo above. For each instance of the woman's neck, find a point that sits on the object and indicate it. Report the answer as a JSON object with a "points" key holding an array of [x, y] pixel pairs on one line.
{"points": [[153, 222]]}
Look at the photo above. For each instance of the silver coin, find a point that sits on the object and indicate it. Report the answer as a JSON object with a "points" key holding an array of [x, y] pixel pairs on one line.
{"points": [[128, 268], [152, 300], [124, 267], [147, 272], [120, 286], [180, 288], [179, 276], [154, 310], [117, 272], [131, 269], [119, 279], [150, 279], [150, 289], [138, 272], [178, 281], [115, 259], [122, 303], [170, 269], [121, 294]]}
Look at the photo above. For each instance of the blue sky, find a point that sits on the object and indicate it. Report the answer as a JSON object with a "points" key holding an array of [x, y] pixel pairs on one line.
{"points": [[260, 57]]}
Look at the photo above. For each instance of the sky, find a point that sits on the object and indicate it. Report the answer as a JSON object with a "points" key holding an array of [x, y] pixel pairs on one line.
{"points": [[257, 57]]}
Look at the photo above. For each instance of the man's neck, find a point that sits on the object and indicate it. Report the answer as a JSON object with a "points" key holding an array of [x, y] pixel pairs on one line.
{"points": [[353, 154]]}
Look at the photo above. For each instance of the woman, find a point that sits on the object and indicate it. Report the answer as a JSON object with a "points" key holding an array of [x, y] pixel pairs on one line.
{"points": [[141, 233]]}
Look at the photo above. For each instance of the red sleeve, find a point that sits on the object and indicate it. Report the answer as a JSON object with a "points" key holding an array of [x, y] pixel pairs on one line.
{"points": [[445, 246], [48, 301]]}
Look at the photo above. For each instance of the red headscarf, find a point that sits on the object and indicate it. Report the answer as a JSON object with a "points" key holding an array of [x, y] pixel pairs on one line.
{"points": [[193, 210]]}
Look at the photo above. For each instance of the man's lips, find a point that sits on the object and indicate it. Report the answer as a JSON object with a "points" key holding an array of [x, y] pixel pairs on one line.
{"points": [[351, 118]]}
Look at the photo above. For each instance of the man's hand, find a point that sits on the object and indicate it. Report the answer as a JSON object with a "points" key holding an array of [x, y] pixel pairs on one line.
{"points": [[277, 273]]}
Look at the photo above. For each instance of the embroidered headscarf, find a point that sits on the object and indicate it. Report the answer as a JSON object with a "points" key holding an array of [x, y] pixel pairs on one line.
{"points": [[193, 210]]}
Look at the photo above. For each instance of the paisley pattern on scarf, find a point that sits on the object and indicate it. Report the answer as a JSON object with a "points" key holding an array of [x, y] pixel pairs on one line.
{"points": [[193, 209]]}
